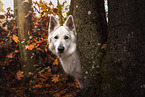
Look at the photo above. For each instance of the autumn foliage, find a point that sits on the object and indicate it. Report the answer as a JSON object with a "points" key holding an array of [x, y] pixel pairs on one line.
{"points": [[50, 79]]}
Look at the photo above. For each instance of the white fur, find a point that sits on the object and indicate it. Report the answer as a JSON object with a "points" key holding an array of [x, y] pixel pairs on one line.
{"points": [[69, 57]]}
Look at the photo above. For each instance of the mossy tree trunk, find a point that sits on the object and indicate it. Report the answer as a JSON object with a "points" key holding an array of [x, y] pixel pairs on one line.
{"points": [[24, 28], [91, 28]]}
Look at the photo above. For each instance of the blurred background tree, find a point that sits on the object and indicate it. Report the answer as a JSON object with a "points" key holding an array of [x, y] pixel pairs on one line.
{"points": [[1, 7]]}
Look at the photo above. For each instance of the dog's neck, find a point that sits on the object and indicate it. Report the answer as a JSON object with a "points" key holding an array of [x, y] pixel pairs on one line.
{"points": [[65, 57], [70, 61]]}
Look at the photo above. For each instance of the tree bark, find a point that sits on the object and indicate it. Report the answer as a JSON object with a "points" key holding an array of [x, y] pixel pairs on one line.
{"points": [[123, 68], [15, 7], [91, 28], [24, 28]]}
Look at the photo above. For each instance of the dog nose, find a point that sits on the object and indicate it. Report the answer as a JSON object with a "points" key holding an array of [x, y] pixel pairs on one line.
{"points": [[60, 49]]}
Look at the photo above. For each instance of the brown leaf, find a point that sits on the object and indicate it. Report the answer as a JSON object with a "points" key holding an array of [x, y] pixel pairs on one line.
{"points": [[103, 46], [55, 10], [69, 95], [50, 3], [57, 95], [19, 75]]}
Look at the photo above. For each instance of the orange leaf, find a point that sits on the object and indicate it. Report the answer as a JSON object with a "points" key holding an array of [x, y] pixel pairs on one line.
{"points": [[45, 49], [30, 46], [1, 42], [10, 55], [16, 51], [15, 38], [40, 1], [56, 61], [39, 49], [37, 86], [14, 27], [55, 78], [45, 40], [40, 4], [51, 57]]}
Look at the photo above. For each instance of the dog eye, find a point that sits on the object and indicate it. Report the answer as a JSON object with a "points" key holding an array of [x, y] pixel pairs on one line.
{"points": [[56, 37], [66, 37]]}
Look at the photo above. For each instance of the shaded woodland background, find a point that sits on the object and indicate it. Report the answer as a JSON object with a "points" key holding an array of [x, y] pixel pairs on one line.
{"points": [[48, 78], [111, 52]]}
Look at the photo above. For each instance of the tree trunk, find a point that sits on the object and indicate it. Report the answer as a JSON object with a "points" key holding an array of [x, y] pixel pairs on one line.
{"points": [[91, 28], [15, 7], [24, 28], [124, 65], [1, 7]]}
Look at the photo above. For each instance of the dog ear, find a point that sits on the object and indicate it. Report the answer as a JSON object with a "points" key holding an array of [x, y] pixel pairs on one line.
{"points": [[69, 22], [52, 23]]}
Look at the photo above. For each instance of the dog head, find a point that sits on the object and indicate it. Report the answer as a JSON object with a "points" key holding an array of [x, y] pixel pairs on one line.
{"points": [[62, 39]]}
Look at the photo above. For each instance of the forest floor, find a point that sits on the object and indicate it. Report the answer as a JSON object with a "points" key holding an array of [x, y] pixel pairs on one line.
{"points": [[50, 81]]}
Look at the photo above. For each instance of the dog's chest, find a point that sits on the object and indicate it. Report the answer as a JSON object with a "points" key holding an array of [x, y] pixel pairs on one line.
{"points": [[68, 65]]}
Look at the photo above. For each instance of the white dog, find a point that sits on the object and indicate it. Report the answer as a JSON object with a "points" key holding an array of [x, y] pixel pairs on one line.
{"points": [[63, 43]]}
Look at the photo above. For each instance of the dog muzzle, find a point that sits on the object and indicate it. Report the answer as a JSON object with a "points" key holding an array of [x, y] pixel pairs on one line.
{"points": [[61, 49]]}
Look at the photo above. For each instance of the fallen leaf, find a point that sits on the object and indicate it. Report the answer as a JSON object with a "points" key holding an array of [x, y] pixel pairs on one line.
{"points": [[45, 40], [30, 46], [15, 38], [103, 46], [55, 10], [1, 42], [37, 86], [10, 55], [69, 95], [19, 75], [16, 51], [56, 61], [55, 78], [57, 95]]}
